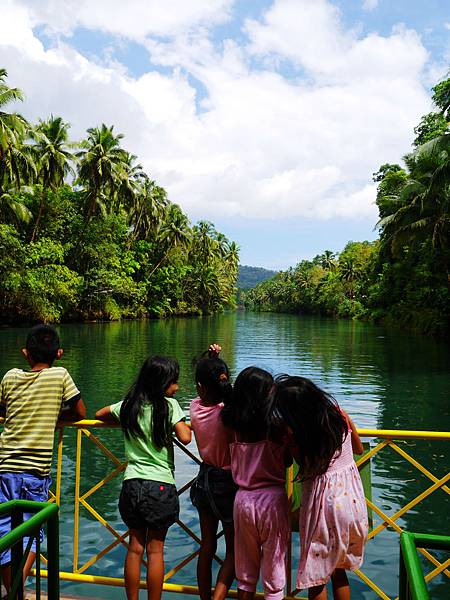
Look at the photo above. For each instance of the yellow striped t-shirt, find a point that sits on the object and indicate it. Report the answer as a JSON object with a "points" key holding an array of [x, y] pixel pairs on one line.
{"points": [[33, 400]]}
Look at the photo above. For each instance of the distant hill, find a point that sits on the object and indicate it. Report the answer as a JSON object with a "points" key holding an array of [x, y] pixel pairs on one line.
{"points": [[248, 277]]}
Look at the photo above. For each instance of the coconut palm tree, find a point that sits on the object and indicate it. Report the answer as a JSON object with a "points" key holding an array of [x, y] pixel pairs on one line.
{"points": [[130, 178], [173, 233], [53, 158], [148, 210], [16, 164], [11, 207], [421, 208], [101, 161]]}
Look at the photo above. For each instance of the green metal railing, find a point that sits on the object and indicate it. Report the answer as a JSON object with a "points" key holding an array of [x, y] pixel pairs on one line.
{"points": [[44, 512], [412, 583]]}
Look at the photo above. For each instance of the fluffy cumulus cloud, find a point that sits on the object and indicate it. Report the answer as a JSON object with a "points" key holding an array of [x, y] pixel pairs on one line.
{"points": [[290, 121], [133, 19]]}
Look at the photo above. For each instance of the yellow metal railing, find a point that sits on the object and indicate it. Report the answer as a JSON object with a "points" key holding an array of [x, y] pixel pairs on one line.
{"points": [[395, 440]]}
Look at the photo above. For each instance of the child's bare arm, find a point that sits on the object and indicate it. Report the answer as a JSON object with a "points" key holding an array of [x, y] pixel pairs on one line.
{"points": [[73, 412], [104, 414], [183, 432], [356, 441]]}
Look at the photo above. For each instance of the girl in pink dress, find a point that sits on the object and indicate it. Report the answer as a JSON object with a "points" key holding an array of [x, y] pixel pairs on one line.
{"points": [[213, 490], [259, 456], [333, 514]]}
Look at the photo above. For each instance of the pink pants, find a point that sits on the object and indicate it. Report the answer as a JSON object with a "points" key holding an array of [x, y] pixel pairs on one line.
{"points": [[261, 525]]}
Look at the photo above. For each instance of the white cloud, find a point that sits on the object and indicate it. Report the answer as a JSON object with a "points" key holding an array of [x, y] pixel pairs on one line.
{"points": [[134, 19], [369, 4], [264, 145], [447, 25]]}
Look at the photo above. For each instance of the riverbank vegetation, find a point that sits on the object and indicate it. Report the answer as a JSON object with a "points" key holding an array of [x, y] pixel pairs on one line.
{"points": [[85, 233], [404, 276]]}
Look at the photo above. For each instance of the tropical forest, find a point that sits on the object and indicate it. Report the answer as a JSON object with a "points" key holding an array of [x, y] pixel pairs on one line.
{"points": [[402, 278], [85, 233]]}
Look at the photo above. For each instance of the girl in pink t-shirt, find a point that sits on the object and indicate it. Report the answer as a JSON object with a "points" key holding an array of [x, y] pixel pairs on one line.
{"points": [[259, 457], [213, 490]]}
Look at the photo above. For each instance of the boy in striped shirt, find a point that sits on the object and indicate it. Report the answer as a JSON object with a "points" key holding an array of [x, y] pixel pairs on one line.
{"points": [[31, 402]]}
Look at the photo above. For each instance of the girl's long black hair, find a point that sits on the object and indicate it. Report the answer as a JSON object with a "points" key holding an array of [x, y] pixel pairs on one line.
{"points": [[156, 375], [213, 374], [249, 412], [318, 425]]}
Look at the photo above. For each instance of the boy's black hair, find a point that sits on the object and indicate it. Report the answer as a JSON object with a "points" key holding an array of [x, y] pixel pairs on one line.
{"points": [[317, 423], [249, 412], [213, 374], [43, 344], [156, 375]]}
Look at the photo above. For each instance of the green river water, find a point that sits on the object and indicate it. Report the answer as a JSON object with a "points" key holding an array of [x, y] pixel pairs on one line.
{"points": [[386, 379]]}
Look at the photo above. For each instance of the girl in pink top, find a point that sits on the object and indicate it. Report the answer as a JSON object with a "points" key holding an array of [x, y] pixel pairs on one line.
{"points": [[333, 514], [259, 456], [213, 490]]}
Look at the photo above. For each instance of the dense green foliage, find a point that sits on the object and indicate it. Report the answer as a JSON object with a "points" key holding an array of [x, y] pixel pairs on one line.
{"points": [[403, 277], [248, 277], [85, 233]]}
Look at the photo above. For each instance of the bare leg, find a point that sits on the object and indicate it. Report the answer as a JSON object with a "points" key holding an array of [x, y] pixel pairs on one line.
{"points": [[319, 592], [208, 531], [226, 573], [155, 563], [341, 586], [6, 570], [28, 564], [244, 595], [133, 561], [6, 576]]}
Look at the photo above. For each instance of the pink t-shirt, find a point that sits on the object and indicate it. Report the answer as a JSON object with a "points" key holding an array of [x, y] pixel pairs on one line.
{"points": [[210, 434], [256, 465]]}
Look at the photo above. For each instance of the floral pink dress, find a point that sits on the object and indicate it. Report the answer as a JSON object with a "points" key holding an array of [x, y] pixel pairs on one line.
{"points": [[333, 521]]}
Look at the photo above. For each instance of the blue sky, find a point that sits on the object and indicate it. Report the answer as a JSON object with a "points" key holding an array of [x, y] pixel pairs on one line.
{"points": [[267, 117]]}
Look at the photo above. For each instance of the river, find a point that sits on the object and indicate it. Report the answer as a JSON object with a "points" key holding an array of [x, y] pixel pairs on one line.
{"points": [[384, 378]]}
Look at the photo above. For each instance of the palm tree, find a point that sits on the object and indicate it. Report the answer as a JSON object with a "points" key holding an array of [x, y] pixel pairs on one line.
{"points": [[148, 210], [16, 164], [101, 160], [53, 158], [12, 207], [173, 233], [328, 260], [130, 177], [421, 208], [204, 246]]}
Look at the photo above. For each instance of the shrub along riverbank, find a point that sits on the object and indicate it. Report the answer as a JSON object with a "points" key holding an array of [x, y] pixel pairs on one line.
{"points": [[402, 278], [108, 245]]}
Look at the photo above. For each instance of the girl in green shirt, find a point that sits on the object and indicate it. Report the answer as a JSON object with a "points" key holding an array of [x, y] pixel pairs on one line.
{"points": [[148, 503]]}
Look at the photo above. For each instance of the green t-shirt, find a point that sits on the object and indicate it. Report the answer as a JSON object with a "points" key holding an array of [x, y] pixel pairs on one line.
{"points": [[145, 461]]}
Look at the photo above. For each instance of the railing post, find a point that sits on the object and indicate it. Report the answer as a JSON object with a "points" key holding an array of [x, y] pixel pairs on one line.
{"points": [[53, 556], [17, 552], [402, 578], [76, 512]]}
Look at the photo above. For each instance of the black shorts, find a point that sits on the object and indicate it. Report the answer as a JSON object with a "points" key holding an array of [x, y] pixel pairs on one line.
{"points": [[213, 491], [147, 504]]}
